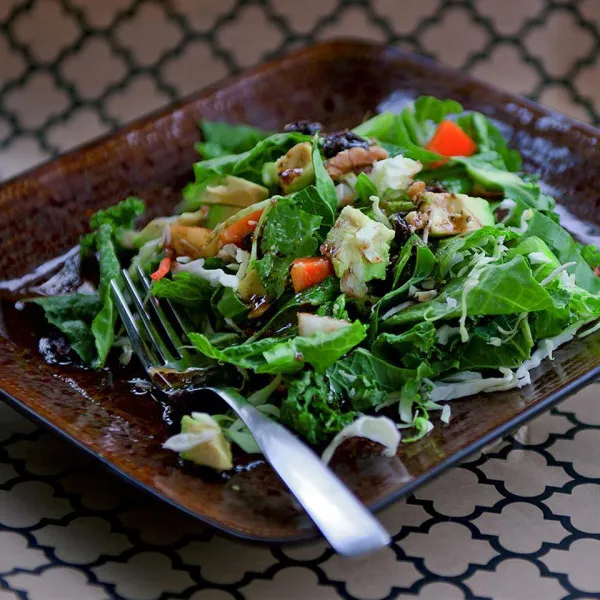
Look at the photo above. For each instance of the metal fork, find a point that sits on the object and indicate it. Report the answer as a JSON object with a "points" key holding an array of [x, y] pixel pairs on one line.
{"points": [[160, 344]]}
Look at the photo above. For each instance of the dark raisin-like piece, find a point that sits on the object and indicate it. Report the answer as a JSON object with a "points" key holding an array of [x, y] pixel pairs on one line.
{"points": [[401, 229], [305, 127], [336, 142]]}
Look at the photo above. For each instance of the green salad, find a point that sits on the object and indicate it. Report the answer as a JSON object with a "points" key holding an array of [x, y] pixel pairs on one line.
{"points": [[359, 280]]}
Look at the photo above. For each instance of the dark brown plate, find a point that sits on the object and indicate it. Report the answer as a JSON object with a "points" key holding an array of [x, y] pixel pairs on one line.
{"points": [[43, 212]]}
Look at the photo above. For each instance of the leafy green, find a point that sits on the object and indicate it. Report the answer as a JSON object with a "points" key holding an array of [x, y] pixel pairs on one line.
{"points": [[489, 171], [479, 128], [481, 353], [247, 165], [500, 290], [310, 200], [591, 255], [230, 306], [245, 356], [424, 114], [452, 178], [565, 248], [73, 314], [312, 410], [408, 132], [365, 188], [424, 263], [323, 181], [410, 348], [288, 233], [120, 218], [320, 350], [103, 325], [321, 294], [271, 355], [250, 164], [207, 172], [454, 251], [184, 288], [223, 138]]}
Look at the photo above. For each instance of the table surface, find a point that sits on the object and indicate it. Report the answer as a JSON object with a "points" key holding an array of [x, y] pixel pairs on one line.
{"points": [[519, 521]]}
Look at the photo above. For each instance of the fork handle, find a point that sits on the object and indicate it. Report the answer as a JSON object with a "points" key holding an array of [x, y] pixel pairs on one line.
{"points": [[346, 523]]}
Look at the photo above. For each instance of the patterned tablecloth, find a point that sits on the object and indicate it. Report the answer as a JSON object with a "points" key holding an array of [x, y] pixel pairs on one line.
{"points": [[518, 522]]}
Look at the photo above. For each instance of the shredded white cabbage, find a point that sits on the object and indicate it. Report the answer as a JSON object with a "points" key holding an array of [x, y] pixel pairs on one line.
{"points": [[451, 303], [183, 442], [544, 350], [589, 331], [450, 390], [377, 429], [214, 276], [495, 341], [509, 205], [446, 413], [556, 272], [445, 332], [538, 258], [378, 213], [396, 309], [309, 324], [525, 217]]}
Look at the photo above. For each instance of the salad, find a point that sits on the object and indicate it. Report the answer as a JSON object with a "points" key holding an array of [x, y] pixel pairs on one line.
{"points": [[359, 280]]}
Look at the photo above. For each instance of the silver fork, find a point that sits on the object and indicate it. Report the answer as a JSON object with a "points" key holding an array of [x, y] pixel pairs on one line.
{"points": [[160, 344]]}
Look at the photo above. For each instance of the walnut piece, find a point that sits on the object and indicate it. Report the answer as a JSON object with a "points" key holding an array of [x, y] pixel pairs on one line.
{"points": [[353, 160]]}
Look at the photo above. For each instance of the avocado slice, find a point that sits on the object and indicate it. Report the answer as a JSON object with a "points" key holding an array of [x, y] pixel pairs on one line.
{"points": [[453, 214], [217, 213], [295, 168], [234, 191], [359, 249], [214, 452]]}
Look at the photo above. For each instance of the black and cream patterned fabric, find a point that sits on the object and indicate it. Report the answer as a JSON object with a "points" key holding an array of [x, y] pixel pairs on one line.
{"points": [[519, 521]]}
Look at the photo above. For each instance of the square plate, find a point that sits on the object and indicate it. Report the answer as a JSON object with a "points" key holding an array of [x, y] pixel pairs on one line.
{"points": [[43, 212]]}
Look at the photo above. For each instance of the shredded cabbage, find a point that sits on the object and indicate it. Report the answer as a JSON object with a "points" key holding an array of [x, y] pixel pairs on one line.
{"points": [[377, 429]]}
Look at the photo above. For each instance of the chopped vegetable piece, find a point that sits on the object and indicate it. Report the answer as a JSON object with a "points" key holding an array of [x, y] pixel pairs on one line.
{"points": [[450, 140], [307, 272], [163, 269], [236, 232]]}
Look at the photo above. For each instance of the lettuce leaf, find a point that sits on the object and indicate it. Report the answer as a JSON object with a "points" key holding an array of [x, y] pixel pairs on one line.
{"points": [[488, 138], [501, 289], [312, 410], [320, 350], [73, 314], [272, 355], [323, 181], [120, 218], [185, 289], [478, 353], [288, 233], [103, 325], [223, 138]]}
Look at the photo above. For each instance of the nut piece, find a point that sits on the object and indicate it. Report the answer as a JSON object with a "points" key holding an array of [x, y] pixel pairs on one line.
{"points": [[415, 189], [354, 159]]}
